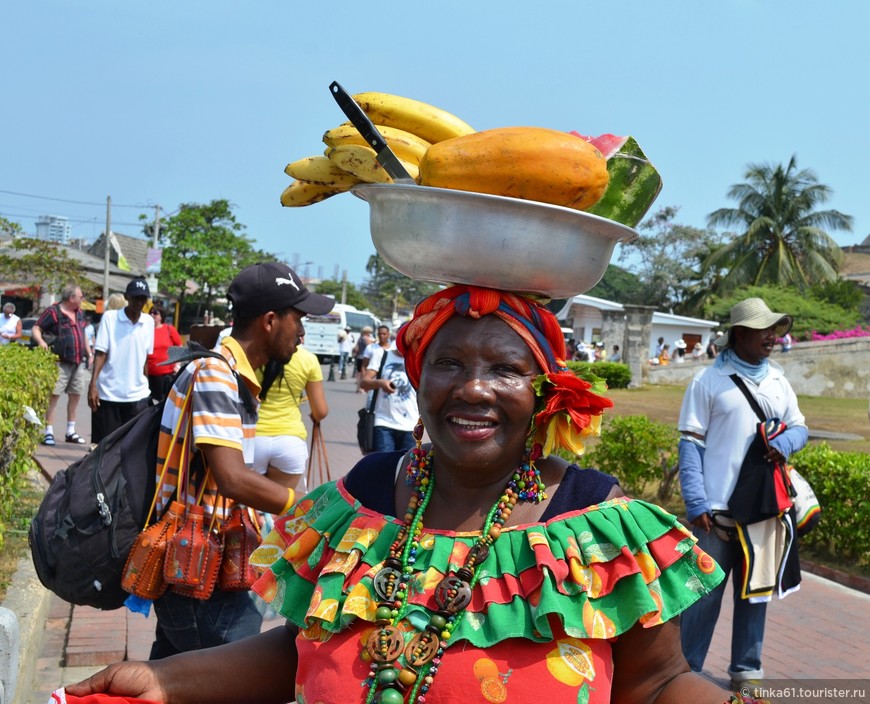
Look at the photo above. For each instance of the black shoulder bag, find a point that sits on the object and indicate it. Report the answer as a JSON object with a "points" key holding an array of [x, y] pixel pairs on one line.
{"points": [[365, 427], [763, 488]]}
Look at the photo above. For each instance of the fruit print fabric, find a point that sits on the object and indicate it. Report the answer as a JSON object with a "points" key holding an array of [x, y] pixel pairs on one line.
{"points": [[551, 596]]}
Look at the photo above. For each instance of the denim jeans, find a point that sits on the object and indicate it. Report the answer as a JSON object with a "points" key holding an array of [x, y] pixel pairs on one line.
{"points": [[185, 624], [389, 439], [699, 620], [342, 363]]}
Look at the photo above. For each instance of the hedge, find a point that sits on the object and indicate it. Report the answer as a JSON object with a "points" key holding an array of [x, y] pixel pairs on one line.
{"points": [[642, 454], [27, 378], [841, 481], [616, 374]]}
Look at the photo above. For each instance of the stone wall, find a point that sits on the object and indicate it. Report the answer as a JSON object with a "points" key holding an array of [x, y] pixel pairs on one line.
{"points": [[835, 368]]}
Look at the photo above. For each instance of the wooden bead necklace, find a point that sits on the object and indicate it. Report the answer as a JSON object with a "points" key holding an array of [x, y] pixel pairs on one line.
{"points": [[389, 681]]}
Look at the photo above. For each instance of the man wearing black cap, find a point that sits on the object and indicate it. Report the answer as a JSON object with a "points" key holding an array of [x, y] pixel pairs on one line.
{"points": [[268, 304], [119, 383]]}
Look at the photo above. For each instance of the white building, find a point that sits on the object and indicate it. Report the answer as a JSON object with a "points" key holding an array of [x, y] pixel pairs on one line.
{"points": [[586, 315], [54, 228]]}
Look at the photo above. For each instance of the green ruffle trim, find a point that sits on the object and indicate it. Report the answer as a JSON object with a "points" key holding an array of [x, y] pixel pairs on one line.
{"points": [[598, 572]]}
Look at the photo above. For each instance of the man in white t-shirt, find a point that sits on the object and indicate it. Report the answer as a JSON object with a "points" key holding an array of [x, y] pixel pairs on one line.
{"points": [[119, 384], [396, 411], [718, 425]]}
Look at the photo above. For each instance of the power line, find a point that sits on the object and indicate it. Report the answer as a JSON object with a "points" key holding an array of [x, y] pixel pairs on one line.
{"points": [[77, 202], [4, 214]]}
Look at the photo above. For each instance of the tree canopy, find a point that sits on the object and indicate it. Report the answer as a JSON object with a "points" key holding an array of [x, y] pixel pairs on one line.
{"points": [[781, 237], [353, 296], [390, 292], [203, 244], [43, 264], [666, 259], [810, 313]]}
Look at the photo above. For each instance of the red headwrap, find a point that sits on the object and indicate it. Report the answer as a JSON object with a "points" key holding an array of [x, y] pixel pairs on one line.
{"points": [[571, 409]]}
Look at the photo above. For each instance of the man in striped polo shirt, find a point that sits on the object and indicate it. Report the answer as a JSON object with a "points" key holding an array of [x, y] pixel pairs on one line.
{"points": [[268, 304]]}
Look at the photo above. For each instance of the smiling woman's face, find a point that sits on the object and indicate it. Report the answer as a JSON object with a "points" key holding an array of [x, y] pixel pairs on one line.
{"points": [[476, 396]]}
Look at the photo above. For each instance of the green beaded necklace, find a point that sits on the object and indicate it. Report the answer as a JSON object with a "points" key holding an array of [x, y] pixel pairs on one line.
{"points": [[389, 680]]}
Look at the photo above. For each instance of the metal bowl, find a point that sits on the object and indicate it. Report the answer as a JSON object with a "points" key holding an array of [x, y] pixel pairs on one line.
{"points": [[449, 236]]}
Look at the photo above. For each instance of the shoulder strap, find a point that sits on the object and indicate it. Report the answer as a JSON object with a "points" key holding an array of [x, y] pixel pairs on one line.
{"points": [[378, 376], [749, 397], [194, 350]]}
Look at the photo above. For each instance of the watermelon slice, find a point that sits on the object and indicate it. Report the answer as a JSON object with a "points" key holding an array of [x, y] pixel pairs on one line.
{"points": [[634, 182]]}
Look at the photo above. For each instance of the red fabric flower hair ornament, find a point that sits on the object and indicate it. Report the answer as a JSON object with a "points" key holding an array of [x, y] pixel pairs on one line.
{"points": [[569, 406]]}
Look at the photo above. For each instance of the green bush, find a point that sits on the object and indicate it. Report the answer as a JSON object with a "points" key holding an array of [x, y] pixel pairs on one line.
{"points": [[640, 453], [616, 374], [841, 481], [27, 378]]}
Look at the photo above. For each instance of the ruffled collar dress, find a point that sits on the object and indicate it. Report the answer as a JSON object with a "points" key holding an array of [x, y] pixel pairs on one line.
{"points": [[551, 599]]}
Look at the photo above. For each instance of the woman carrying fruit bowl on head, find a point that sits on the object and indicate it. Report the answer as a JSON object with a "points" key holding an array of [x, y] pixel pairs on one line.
{"points": [[480, 568]]}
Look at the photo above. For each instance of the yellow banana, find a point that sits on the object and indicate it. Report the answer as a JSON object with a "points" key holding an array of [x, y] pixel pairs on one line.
{"points": [[320, 170], [405, 145], [419, 118], [300, 193], [362, 163]]}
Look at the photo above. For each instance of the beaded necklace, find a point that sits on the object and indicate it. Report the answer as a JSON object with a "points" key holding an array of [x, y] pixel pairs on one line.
{"points": [[388, 679]]}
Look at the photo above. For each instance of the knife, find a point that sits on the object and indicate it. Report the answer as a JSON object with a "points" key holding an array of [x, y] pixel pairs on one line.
{"points": [[367, 129]]}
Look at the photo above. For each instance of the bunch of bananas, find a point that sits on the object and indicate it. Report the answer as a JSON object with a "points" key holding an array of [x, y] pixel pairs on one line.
{"points": [[409, 126]]}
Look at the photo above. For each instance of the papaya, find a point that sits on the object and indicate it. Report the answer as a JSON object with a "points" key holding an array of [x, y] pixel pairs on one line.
{"points": [[531, 163]]}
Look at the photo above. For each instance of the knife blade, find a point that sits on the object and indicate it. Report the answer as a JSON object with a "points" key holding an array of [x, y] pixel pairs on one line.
{"points": [[385, 156]]}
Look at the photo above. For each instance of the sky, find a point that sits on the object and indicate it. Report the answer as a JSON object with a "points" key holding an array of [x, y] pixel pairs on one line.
{"points": [[164, 103]]}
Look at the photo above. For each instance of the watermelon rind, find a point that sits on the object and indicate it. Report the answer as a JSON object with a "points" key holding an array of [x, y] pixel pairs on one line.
{"points": [[633, 186]]}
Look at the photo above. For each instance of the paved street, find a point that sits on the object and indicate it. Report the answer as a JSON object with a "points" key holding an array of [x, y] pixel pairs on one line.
{"points": [[821, 632]]}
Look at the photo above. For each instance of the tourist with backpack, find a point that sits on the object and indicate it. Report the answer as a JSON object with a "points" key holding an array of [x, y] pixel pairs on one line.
{"points": [[268, 303]]}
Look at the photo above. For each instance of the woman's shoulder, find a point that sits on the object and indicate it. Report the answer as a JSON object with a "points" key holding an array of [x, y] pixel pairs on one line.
{"points": [[579, 489], [372, 479]]}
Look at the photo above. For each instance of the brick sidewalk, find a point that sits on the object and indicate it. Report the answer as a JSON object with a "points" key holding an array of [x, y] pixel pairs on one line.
{"points": [[822, 631]]}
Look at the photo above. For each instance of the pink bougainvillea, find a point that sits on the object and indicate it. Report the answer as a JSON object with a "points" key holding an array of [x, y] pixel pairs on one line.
{"points": [[857, 331]]}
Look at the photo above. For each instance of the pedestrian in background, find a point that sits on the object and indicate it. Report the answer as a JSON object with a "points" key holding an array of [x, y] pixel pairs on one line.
{"points": [[345, 350], [280, 447], [66, 322], [396, 411], [679, 351], [160, 375], [119, 384], [718, 426], [365, 339], [10, 325]]}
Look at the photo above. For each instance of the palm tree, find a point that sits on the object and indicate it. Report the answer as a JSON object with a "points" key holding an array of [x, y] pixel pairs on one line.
{"points": [[782, 238]]}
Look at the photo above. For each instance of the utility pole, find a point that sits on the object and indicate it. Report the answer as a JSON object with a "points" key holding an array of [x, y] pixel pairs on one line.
{"points": [[152, 278], [106, 248], [344, 287]]}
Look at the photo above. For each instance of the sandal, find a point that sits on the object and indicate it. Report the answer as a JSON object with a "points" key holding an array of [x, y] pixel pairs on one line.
{"points": [[48, 439], [75, 438]]}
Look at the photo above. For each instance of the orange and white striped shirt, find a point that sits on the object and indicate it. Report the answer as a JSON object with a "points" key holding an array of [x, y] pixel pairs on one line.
{"points": [[217, 416]]}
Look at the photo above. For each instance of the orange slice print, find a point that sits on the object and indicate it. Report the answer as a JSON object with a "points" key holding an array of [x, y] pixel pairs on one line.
{"points": [[597, 625], [493, 690], [483, 668]]}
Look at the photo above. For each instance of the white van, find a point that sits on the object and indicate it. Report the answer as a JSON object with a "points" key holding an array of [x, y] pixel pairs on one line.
{"points": [[321, 331]]}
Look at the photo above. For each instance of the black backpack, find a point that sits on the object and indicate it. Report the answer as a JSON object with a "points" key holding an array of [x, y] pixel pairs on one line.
{"points": [[94, 509]]}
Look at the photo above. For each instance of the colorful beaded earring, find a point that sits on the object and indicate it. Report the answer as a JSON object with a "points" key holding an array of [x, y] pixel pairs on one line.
{"points": [[420, 460]]}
